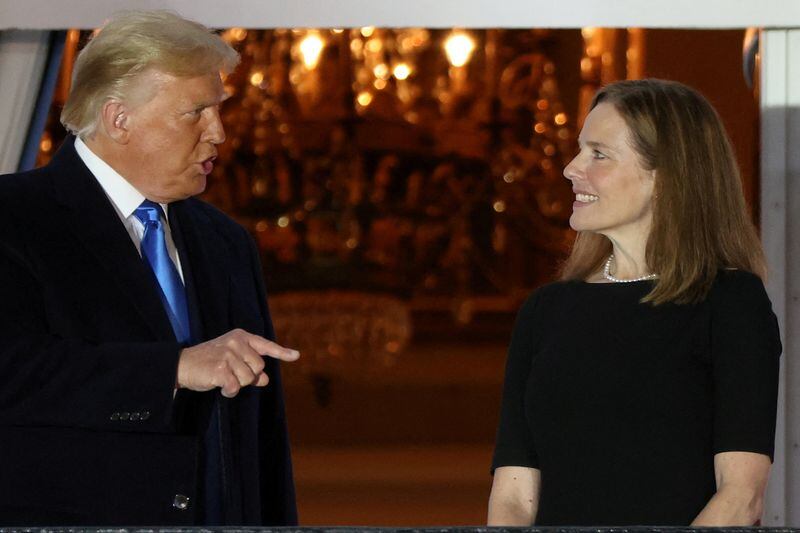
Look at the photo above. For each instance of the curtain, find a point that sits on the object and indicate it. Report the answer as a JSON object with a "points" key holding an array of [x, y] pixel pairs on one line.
{"points": [[24, 59], [41, 109]]}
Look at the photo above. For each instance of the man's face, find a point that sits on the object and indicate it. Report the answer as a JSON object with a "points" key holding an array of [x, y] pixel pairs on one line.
{"points": [[173, 134]]}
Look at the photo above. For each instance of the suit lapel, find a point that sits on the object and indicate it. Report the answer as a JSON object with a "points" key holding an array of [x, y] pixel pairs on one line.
{"points": [[90, 217], [203, 251]]}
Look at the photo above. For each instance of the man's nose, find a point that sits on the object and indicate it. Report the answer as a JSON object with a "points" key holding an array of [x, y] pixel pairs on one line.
{"points": [[215, 131]]}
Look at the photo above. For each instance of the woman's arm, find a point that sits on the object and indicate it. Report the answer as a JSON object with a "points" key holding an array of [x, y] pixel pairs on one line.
{"points": [[515, 496], [741, 482]]}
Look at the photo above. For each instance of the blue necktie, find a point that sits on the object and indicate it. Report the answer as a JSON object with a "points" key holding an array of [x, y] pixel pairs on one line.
{"points": [[154, 252]]}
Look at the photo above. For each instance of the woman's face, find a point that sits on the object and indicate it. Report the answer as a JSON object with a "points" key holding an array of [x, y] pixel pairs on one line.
{"points": [[613, 193]]}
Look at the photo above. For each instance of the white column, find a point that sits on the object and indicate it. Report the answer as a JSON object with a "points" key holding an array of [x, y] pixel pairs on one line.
{"points": [[23, 55], [780, 232]]}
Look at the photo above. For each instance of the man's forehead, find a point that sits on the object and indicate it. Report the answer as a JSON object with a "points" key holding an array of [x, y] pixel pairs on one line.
{"points": [[206, 89]]}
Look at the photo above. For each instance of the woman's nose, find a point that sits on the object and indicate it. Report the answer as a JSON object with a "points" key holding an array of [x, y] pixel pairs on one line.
{"points": [[572, 171]]}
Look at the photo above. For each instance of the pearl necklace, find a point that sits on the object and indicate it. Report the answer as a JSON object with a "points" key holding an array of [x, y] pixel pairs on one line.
{"points": [[609, 277]]}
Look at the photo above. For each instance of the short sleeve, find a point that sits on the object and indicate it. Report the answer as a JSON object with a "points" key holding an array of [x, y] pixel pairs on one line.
{"points": [[514, 444], [745, 350]]}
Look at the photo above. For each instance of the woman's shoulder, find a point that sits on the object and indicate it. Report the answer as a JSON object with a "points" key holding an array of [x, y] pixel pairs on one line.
{"points": [[545, 296], [734, 287], [733, 279], [742, 313]]}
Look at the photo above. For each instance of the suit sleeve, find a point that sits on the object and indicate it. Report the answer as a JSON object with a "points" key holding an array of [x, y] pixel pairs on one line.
{"points": [[278, 507], [47, 380]]}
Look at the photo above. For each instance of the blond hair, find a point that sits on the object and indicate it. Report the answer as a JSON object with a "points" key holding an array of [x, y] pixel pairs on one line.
{"points": [[700, 219], [131, 43]]}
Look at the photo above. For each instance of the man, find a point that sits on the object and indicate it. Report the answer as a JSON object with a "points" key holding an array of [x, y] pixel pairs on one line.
{"points": [[133, 317]]}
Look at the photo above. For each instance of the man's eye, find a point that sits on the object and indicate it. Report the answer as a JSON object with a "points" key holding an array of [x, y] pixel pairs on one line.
{"points": [[598, 155]]}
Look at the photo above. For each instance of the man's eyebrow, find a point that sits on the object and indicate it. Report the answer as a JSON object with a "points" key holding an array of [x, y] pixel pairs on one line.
{"points": [[219, 100]]}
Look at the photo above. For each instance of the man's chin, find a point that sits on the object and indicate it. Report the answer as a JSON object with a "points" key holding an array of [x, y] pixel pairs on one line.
{"points": [[196, 187], [200, 183]]}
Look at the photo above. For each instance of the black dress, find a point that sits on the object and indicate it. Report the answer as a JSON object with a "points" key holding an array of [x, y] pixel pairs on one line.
{"points": [[622, 405]]}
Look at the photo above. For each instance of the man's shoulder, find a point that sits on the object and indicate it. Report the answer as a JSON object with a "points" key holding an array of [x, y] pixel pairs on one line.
{"points": [[24, 190], [26, 206], [23, 181], [222, 222]]}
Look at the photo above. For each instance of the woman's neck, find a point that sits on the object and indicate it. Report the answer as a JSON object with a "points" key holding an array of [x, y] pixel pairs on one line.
{"points": [[630, 258]]}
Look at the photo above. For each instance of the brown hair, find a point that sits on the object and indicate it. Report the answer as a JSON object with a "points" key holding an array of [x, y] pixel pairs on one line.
{"points": [[130, 43], [700, 220]]}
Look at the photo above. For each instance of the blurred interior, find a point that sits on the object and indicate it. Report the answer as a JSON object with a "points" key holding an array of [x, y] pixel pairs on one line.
{"points": [[404, 187]]}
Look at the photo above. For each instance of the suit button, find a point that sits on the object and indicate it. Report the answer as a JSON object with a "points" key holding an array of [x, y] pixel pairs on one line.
{"points": [[114, 417], [135, 416], [124, 416], [180, 502], [145, 415]]}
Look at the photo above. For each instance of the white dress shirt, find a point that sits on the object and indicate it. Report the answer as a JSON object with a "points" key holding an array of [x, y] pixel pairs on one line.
{"points": [[125, 199]]}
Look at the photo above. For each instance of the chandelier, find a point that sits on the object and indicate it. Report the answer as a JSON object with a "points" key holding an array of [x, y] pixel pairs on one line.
{"points": [[390, 172]]}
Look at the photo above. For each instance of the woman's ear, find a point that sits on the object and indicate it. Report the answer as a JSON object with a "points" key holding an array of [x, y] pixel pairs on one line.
{"points": [[655, 183]]}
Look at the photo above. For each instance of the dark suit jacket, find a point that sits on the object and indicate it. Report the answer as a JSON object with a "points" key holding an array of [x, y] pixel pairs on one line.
{"points": [[89, 430]]}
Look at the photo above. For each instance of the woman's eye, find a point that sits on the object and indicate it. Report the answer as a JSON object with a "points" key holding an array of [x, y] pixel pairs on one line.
{"points": [[598, 155]]}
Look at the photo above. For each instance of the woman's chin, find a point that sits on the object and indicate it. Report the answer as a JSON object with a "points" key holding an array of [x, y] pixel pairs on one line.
{"points": [[577, 224]]}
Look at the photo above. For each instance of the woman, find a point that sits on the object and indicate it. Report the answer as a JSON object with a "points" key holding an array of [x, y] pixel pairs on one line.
{"points": [[641, 388]]}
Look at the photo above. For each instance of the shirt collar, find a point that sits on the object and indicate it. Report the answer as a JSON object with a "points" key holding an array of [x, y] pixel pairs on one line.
{"points": [[124, 196]]}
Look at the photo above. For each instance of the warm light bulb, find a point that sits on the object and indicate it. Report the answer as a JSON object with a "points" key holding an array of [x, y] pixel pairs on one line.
{"points": [[234, 34], [256, 78], [311, 47], [381, 71], [401, 71], [459, 48], [364, 99], [374, 45]]}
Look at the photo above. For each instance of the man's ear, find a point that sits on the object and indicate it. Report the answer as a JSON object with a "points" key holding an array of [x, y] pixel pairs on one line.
{"points": [[115, 121]]}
